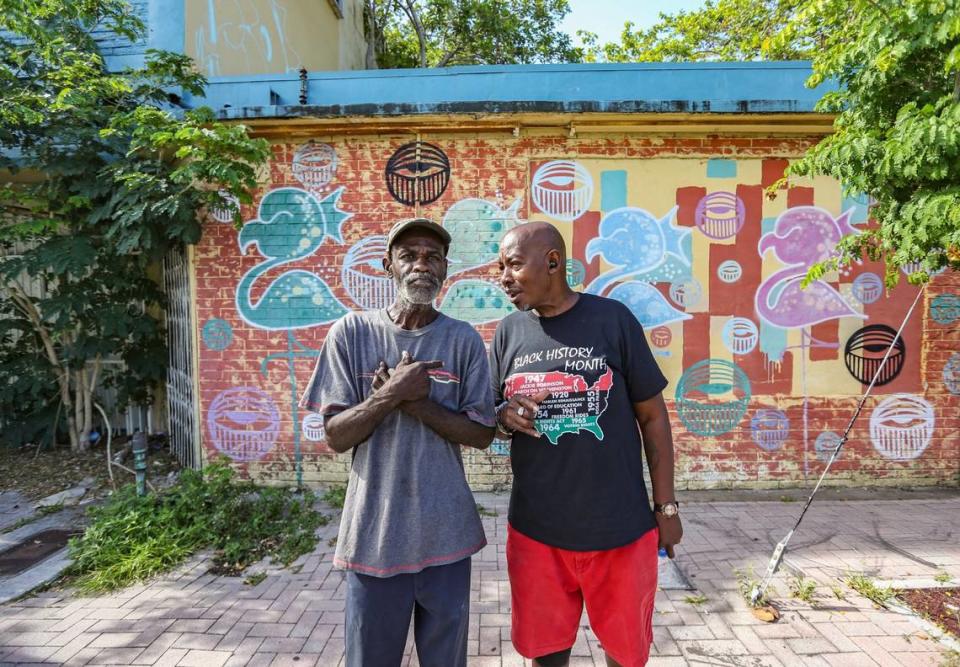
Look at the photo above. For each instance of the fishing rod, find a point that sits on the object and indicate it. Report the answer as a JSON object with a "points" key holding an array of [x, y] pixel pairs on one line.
{"points": [[777, 558]]}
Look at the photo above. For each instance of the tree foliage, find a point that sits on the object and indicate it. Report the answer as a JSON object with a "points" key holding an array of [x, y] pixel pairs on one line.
{"points": [[720, 30], [440, 33], [897, 131], [104, 174]]}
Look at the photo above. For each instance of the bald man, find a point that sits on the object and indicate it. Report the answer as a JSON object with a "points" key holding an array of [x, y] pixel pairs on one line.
{"points": [[576, 386]]}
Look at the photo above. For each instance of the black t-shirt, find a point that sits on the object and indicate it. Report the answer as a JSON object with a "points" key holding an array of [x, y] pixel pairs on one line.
{"points": [[580, 485]]}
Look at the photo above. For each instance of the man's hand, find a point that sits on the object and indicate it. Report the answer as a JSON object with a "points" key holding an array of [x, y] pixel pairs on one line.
{"points": [[671, 532], [409, 381], [521, 411]]}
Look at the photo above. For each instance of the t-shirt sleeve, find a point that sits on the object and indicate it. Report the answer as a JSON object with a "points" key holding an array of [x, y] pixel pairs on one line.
{"points": [[333, 387], [476, 399], [496, 356], [644, 378]]}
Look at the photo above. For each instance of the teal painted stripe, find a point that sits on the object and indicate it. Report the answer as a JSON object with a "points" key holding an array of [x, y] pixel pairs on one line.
{"points": [[613, 190], [721, 168]]}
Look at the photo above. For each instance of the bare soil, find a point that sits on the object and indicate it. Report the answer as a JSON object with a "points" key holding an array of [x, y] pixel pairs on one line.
{"points": [[938, 605], [40, 474]]}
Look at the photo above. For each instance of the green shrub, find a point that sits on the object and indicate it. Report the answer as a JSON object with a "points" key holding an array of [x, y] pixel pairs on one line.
{"points": [[135, 537]]}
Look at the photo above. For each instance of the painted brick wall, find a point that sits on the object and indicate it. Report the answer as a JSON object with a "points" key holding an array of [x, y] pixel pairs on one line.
{"points": [[762, 376]]}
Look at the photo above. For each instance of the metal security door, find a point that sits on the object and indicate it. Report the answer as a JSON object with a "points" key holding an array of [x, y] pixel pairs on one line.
{"points": [[180, 394]]}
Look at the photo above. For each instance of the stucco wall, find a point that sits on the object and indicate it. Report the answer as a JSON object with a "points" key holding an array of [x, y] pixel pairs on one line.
{"points": [[762, 375], [272, 36]]}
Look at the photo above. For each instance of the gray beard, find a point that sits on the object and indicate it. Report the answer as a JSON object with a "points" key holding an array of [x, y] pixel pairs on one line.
{"points": [[418, 295]]}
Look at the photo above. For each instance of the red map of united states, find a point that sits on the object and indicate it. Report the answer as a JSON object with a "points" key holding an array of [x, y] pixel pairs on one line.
{"points": [[573, 405]]}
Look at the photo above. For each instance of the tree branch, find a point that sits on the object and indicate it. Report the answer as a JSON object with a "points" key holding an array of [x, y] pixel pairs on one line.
{"points": [[409, 8]]}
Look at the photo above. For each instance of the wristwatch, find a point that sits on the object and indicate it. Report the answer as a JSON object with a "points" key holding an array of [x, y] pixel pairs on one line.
{"points": [[668, 510]]}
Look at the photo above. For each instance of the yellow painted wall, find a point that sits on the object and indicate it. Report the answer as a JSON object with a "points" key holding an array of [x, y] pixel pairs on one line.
{"points": [[230, 37]]}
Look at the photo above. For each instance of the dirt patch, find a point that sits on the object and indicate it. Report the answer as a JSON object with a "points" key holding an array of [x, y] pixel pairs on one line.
{"points": [[939, 605], [40, 474]]}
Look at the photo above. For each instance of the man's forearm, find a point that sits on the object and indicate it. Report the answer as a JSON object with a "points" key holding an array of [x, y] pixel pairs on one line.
{"points": [[354, 425], [450, 425], [658, 447]]}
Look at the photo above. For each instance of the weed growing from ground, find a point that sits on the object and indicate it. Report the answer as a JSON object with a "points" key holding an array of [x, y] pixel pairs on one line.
{"points": [[255, 578], [483, 511], [838, 592], [942, 578], [803, 589], [696, 600], [865, 586], [335, 496], [132, 537]]}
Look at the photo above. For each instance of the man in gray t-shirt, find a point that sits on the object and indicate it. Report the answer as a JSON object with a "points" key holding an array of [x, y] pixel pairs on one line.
{"points": [[403, 388]]}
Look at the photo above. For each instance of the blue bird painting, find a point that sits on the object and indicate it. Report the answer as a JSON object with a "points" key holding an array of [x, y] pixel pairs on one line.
{"points": [[291, 224]]}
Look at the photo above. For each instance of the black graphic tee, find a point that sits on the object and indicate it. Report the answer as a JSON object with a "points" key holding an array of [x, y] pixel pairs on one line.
{"points": [[580, 485]]}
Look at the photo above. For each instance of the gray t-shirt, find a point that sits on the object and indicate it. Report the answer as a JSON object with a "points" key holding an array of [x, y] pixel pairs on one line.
{"points": [[408, 505]]}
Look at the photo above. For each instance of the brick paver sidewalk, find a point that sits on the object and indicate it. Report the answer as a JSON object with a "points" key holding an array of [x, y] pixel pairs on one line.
{"points": [[295, 617]]}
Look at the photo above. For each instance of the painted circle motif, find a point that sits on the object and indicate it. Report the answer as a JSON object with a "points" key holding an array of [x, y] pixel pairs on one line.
{"points": [[740, 335], [562, 189], [312, 427], [661, 337], [576, 272], [770, 429], [945, 309], [865, 350], [686, 293], [712, 396], [244, 423], [824, 445], [363, 277], [867, 287], [417, 173], [901, 427], [314, 165], [729, 271], [911, 268], [720, 215], [222, 213], [217, 334], [951, 373]]}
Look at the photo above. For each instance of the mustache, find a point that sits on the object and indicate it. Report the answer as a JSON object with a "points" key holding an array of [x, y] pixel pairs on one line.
{"points": [[421, 275]]}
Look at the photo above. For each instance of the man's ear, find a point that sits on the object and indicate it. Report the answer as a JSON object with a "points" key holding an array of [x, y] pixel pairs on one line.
{"points": [[554, 262], [387, 265]]}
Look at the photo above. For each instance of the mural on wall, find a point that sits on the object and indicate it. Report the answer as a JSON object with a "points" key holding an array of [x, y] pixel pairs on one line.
{"points": [[712, 397], [244, 423], [363, 276], [223, 213], [901, 426], [706, 262], [866, 349], [291, 225], [217, 334], [951, 373], [770, 429], [720, 215], [314, 165], [802, 236], [945, 309], [417, 173], [562, 189]]}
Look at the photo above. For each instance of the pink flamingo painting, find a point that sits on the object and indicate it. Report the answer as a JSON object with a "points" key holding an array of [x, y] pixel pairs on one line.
{"points": [[802, 236]]}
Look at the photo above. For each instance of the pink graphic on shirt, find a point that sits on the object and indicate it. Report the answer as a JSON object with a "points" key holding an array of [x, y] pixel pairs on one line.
{"points": [[573, 405]]}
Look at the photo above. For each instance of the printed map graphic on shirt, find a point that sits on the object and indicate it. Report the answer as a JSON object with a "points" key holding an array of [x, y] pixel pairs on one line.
{"points": [[573, 405]]}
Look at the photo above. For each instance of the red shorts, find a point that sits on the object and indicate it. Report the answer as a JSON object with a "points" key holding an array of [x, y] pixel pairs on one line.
{"points": [[549, 587]]}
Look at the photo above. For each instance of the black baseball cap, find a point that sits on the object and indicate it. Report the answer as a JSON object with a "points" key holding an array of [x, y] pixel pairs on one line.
{"points": [[418, 223]]}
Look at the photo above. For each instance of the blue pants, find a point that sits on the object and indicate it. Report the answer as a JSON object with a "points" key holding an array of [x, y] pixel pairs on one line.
{"points": [[379, 609]]}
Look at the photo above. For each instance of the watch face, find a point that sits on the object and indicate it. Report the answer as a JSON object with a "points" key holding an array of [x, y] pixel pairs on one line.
{"points": [[669, 510]]}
